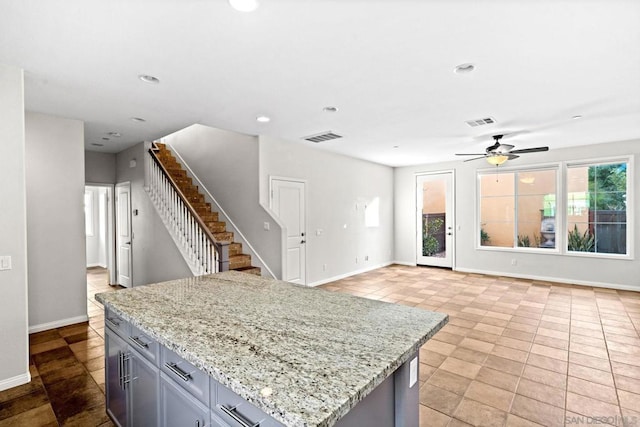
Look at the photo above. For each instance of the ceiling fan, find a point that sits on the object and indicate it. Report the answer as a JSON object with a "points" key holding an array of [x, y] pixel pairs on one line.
{"points": [[499, 153]]}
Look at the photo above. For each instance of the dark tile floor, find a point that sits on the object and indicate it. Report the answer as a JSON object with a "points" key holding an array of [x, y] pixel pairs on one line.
{"points": [[515, 353]]}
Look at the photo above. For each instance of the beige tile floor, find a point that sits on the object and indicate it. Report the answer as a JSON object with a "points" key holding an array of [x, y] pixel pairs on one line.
{"points": [[515, 353], [518, 352]]}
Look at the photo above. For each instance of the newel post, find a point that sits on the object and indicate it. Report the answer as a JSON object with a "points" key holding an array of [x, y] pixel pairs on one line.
{"points": [[223, 256]]}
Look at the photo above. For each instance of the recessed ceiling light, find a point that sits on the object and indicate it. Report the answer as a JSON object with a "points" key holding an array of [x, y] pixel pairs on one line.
{"points": [[330, 109], [148, 79], [114, 134], [396, 146], [244, 5], [97, 145], [263, 119], [576, 117], [138, 119], [464, 68], [104, 138]]}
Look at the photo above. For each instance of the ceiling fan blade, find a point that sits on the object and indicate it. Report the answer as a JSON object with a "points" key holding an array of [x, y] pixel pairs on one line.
{"points": [[469, 154], [476, 158], [503, 149], [529, 150], [511, 156]]}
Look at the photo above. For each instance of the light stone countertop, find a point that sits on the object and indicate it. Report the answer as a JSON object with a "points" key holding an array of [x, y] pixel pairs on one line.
{"points": [[318, 352]]}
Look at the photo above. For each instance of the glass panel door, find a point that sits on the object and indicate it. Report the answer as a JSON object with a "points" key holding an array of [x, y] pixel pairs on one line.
{"points": [[435, 219]]}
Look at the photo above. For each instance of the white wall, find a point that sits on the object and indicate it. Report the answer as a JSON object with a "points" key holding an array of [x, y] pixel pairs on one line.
{"points": [[564, 268], [155, 256], [55, 221], [99, 168], [338, 187], [14, 357], [227, 165]]}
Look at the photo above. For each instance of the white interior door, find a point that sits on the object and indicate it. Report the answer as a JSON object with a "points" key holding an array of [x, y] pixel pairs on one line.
{"points": [[434, 219], [288, 203], [123, 234]]}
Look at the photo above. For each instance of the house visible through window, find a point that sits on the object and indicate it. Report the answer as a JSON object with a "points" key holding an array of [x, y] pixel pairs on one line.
{"points": [[518, 208]]}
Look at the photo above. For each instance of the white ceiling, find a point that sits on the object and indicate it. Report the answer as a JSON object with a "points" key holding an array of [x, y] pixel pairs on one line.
{"points": [[386, 64]]}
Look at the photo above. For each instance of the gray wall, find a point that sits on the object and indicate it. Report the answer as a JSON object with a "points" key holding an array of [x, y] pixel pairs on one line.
{"points": [[14, 364], [227, 165], [565, 268], [99, 168], [337, 187], [55, 221], [155, 256]]}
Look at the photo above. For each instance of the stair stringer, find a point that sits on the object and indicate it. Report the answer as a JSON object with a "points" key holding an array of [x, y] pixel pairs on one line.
{"points": [[222, 214]]}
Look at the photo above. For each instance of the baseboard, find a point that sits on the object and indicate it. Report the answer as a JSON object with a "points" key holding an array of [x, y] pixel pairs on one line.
{"points": [[552, 279], [15, 381], [344, 276], [410, 264], [96, 265], [58, 324]]}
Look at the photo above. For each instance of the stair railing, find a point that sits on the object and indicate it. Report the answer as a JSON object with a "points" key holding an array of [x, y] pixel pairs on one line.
{"points": [[207, 254]]}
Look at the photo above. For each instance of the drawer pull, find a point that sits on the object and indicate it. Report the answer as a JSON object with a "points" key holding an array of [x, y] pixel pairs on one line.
{"points": [[137, 341], [113, 322], [184, 376], [233, 413]]}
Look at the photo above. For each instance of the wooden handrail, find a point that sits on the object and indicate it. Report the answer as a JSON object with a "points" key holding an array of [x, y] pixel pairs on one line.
{"points": [[222, 247]]}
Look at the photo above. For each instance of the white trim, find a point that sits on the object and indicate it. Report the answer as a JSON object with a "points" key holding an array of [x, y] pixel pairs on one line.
{"points": [[58, 323], [221, 211], [409, 264], [111, 238], [352, 273], [15, 381], [559, 280]]}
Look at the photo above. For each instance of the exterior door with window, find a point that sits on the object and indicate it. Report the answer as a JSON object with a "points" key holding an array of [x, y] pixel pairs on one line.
{"points": [[434, 219], [124, 234]]}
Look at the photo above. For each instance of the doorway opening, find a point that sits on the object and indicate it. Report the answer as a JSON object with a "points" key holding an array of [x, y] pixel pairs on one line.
{"points": [[99, 228]]}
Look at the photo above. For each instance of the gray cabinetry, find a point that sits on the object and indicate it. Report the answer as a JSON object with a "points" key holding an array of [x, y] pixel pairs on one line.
{"points": [[143, 391], [116, 394], [179, 408]]}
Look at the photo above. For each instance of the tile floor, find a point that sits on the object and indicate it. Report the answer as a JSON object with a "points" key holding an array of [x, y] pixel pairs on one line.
{"points": [[515, 353]]}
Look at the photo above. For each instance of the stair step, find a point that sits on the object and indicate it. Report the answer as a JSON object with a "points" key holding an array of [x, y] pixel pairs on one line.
{"points": [[239, 261], [249, 270], [235, 249], [217, 226], [195, 198], [210, 217], [201, 206], [226, 236], [177, 173]]}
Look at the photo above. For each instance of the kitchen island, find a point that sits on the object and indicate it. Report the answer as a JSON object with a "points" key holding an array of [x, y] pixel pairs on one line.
{"points": [[288, 354]]}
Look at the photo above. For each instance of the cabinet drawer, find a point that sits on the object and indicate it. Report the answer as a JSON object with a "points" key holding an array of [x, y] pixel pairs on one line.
{"points": [[237, 412], [116, 323], [144, 344], [184, 373]]}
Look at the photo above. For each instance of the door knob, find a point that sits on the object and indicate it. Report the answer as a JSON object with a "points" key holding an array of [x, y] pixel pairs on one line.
{"points": [[127, 243], [303, 241], [449, 234]]}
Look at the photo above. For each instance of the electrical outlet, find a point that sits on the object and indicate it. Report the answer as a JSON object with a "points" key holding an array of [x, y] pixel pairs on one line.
{"points": [[356, 260], [366, 257], [267, 226], [324, 267], [514, 261]]}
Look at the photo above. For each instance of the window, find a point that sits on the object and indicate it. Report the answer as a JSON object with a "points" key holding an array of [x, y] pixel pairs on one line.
{"points": [[518, 208], [597, 196]]}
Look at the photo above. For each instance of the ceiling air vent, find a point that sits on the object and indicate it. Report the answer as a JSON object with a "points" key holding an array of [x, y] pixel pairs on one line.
{"points": [[321, 137], [480, 122]]}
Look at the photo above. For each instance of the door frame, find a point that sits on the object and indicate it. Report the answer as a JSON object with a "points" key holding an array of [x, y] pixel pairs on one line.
{"points": [[116, 225], [450, 222], [111, 238], [283, 234]]}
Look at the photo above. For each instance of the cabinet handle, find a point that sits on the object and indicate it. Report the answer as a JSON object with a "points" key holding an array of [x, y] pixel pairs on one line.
{"points": [[233, 413], [184, 376], [112, 322], [120, 375], [137, 341], [125, 370]]}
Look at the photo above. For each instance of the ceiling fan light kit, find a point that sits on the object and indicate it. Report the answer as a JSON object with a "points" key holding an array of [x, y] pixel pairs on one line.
{"points": [[499, 153]]}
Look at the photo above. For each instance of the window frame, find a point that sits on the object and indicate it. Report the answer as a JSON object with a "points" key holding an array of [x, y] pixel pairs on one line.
{"points": [[562, 217], [557, 167], [628, 159]]}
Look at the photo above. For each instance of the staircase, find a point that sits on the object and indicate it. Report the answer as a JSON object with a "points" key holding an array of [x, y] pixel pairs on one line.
{"points": [[238, 261]]}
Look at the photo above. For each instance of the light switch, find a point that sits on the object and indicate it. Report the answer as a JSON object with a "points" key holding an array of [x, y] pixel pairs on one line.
{"points": [[5, 262], [267, 226]]}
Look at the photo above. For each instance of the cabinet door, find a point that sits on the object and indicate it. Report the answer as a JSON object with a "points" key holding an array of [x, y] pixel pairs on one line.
{"points": [[116, 395], [179, 408], [143, 382]]}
